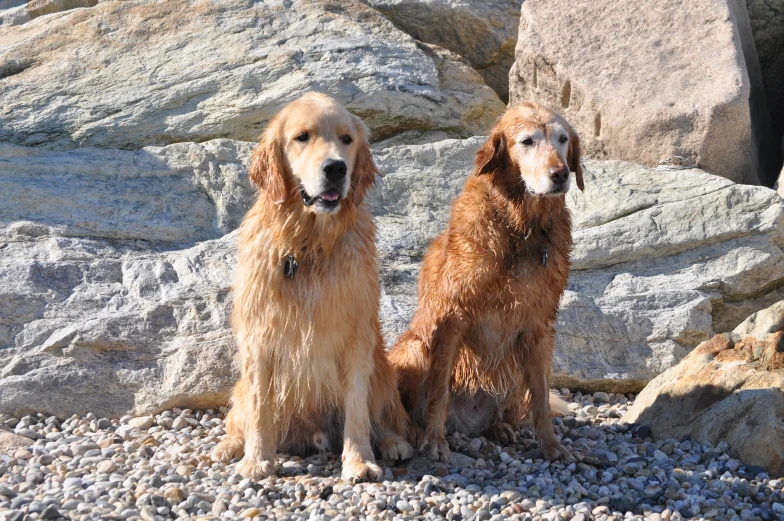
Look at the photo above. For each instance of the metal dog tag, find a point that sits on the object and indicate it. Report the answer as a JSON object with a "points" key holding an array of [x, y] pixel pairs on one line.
{"points": [[545, 256], [290, 267]]}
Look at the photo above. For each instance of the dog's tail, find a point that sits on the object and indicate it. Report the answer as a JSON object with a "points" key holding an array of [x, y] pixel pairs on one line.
{"points": [[558, 406]]}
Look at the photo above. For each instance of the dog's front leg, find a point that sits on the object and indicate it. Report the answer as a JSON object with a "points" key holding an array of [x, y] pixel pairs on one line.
{"points": [[359, 463], [260, 435], [536, 368], [444, 346]]}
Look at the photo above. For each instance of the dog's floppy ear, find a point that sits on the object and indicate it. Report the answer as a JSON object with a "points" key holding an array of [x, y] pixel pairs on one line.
{"points": [[267, 168], [364, 174], [573, 158], [492, 156]]}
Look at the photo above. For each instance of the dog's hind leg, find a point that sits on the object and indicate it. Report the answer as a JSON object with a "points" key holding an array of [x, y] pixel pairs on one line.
{"points": [[393, 446]]}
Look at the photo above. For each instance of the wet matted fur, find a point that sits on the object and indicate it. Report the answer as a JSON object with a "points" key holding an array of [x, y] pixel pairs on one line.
{"points": [[314, 373], [478, 351]]}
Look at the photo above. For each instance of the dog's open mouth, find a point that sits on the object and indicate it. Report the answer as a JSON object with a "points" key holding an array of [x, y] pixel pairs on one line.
{"points": [[327, 199]]}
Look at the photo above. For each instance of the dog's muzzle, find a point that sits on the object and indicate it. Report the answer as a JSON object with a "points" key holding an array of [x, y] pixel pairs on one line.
{"points": [[327, 199]]}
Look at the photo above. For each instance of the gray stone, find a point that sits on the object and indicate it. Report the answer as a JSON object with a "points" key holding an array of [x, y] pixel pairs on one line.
{"points": [[181, 193], [411, 204], [484, 32], [690, 71], [662, 260], [89, 77], [768, 320], [113, 329]]}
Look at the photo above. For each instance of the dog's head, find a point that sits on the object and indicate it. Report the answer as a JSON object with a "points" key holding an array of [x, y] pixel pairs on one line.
{"points": [[532, 148], [315, 151]]}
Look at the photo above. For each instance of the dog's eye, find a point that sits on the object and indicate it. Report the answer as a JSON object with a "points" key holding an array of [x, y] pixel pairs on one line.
{"points": [[346, 139], [563, 139], [527, 142], [303, 138]]}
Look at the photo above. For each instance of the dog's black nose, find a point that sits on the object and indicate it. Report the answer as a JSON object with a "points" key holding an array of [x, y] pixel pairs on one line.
{"points": [[335, 170], [559, 175]]}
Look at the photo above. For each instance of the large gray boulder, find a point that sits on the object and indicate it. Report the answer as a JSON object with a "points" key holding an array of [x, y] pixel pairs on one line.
{"points": [[125, 74], [484, 32], [111, 302], [652, 85], [178, 194], [89, 325], [662, 260], [411, 204], [115, 273]]}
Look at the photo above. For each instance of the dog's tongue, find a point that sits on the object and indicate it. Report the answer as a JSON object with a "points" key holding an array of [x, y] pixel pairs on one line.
{"points": [[330, 195]]}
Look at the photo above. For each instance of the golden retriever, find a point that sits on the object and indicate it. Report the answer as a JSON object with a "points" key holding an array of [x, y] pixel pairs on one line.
{"points": [[306, 302], [478, 352]]}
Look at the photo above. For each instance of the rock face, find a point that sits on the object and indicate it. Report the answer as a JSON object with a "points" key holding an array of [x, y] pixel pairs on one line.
{"points": [[638, 95], [135, 73], [106, 304], [112, 302], [179, 194], [91, 326], [484, 32], [729, 388]]}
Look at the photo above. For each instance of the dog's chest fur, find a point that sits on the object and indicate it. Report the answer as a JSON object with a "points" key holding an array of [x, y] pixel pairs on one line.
{"points": [[310, 323], [519, 303], [526, 291]]}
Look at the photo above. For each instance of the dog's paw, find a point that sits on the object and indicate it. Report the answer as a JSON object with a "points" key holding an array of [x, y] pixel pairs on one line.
{"points": [[227, 450], [437, 449], [394, 448], [358, 471], [553, 450], [501, 432], [255, 469]]}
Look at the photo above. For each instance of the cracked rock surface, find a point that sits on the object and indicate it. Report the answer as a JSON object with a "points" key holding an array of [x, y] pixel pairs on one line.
{"points": [[134, 73]]}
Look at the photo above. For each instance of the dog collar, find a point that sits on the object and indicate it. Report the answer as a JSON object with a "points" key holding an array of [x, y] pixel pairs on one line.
{"points": [[543, 238], [545, 250], [290, 266]]}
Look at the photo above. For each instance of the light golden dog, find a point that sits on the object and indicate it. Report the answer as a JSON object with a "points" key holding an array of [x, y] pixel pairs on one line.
{"points": [[478, 352], [306, 302]]}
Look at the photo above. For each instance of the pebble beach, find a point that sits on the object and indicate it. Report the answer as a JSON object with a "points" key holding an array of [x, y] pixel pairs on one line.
{"points": [[158, 467]]}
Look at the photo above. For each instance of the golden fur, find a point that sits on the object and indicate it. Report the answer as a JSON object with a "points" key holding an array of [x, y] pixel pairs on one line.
{"points": [[312, 356], [479, 348]]}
